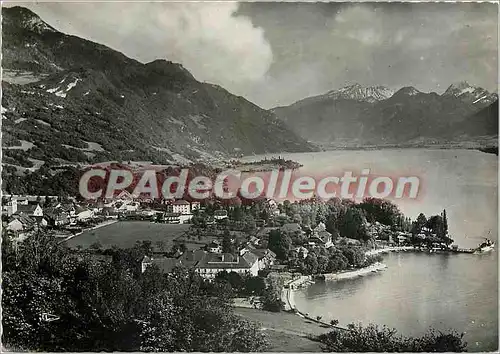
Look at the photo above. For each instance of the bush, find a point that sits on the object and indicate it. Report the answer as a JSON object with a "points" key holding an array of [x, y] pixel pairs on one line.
{"points": [[373, 338]]}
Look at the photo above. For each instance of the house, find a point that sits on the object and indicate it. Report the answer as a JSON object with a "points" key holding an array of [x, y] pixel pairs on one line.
{"points": [[165, 264], [125, 195], [56, 217], [15, 225], [212, 264], [272, 204], [172, 218], [9, 206], [301, 251], [195, 206], [403, 237], [97, 206], [21, 223], [68, 208], [128, 206], [32, 210], [292, 229], [220, 214], [83, 214], [265, 256], [319, 228], [255, 241], [214, 247], [192, 257], [348, 241], [326, 238], [179, 207], [273, 207]]}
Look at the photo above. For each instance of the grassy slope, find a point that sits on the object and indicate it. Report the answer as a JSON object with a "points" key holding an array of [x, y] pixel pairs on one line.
{"points": [[287, 332]]}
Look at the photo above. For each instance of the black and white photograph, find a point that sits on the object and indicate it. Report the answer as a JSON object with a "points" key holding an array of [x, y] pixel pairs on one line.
{"points": [[232, 176]]}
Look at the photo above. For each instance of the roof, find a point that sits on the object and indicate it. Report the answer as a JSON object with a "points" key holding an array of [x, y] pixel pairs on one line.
{"points": [[193, 256], [324, 235], [260, 252], [180, 202], [67, 207], [54, 212], [30, 208], [165, 264], [80, 209], [24, 219], [291, 227], [227, 261]]}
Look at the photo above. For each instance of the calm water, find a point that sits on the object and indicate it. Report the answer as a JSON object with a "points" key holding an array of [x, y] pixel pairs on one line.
{"points": [[464, 182], [415, 292], [422, 290]]}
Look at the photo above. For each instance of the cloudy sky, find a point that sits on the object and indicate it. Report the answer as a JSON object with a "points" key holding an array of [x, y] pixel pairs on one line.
{"points": [[277, 53]]}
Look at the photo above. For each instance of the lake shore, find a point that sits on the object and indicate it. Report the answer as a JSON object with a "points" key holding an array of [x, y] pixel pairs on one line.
{"points": [[288, 290]]}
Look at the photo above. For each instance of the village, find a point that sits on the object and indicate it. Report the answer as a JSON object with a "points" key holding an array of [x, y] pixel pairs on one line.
{"points": [[253, 239]]}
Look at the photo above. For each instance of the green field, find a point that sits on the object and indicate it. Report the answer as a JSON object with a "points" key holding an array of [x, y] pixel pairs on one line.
{"points": [[124, 234]]}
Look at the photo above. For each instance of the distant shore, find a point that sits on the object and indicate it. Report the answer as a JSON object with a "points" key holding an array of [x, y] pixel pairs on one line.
{"points": [[484, 147]]}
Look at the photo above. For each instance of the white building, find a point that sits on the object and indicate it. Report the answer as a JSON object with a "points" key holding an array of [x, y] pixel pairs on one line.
{"points": [[180, 207], [220, 214], [214, 263]]}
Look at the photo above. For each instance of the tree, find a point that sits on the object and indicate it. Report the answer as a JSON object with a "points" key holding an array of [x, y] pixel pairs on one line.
{"points": [[418, 224], [279, 243], [381, 210], [227, 243], [254, 285], [372, 338], [354, 255], [353, 225], [271, 298], [113, 309], [445, 223], [337, 261], [311, 263], [160, 245], [436, 224]]}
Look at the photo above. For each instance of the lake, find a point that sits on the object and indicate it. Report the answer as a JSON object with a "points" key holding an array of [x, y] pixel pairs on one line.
{"points": [[464, 182], [419, 290]]}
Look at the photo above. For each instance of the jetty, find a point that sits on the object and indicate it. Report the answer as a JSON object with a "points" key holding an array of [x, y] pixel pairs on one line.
{"points": [[418, 249]]}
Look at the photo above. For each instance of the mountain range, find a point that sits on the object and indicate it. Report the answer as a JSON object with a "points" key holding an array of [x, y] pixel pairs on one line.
{"points": [[361, 116], [67, 100]]}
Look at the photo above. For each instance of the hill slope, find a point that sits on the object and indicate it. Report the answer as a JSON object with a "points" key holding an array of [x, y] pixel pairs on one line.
{"points": [[91, 103]]}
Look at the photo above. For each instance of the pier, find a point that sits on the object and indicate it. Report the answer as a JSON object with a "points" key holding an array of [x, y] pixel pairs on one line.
{"points": [[418, 249]]}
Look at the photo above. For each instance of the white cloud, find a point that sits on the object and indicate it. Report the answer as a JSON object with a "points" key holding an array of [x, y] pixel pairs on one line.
{"points": [[206, 38]]}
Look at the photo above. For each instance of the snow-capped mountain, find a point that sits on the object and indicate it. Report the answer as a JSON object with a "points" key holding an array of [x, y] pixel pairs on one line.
{"points": [[374, 115], [408, 91], [360, 93], [470, 93]]}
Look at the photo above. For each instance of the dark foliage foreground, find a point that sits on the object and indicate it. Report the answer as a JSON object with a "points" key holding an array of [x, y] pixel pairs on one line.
{"points": [[110, 307], [373, 338]]}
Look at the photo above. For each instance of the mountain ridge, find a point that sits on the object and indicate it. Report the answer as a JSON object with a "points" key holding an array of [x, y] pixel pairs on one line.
{"points": [[406, 115], [86, 93]]}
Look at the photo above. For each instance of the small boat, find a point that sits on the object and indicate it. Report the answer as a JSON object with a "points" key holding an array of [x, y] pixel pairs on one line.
{"points": [[485, 247]]}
